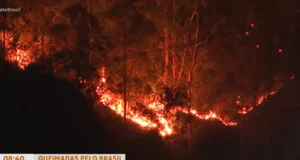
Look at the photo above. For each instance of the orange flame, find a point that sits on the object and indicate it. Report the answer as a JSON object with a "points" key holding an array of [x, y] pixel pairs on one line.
{"points": [[115, 102], [163, 124], [244, 110], [264, 96], [210, 116], [21, 57]]}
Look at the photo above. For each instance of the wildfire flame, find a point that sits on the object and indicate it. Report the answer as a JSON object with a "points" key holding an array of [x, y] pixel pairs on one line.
{"points": [[164, 125], [159, 121], [209, 116], [265, 96], [244, 110], [21, 57]]}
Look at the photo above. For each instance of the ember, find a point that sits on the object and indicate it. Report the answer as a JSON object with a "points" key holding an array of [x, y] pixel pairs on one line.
{"points": [[21, 57], [292, 77], [160, 122], [244, 110], [265, 96], [164, 125]]}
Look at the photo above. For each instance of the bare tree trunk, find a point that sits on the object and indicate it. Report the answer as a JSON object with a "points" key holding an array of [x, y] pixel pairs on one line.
{"points": [[189, 134], [183, 58], [194, 57], [4, 35], [124, 75], [174, 10], [90, 17], [174, 43], [191, 71], [90, 7], [241, 130], [173, 61], [270, 134], [42, 44], [204, 3], [42, 37], [51, 41], [13, 30], [270, 129], [51, 37], [166, 56]]}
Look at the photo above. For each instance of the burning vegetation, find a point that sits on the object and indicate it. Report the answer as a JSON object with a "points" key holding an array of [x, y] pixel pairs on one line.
{"points": [[22, 58], [159, 119], [161, 67]]}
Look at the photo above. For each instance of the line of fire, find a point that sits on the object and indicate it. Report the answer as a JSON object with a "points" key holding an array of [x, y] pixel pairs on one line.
{"points": [[207, 79]]}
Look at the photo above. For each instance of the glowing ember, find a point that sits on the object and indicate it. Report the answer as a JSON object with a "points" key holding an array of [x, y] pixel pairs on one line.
{"points": [[244, 110], [156, 106], [21, 57], [81, 80], [163, 124], [102, 73], [159, 120], [210, 116], [116, 104], [265, 96], [292, 77]]}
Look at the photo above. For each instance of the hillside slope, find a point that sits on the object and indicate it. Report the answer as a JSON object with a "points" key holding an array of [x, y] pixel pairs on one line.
{"points": [[272, 130], [43, 114], [54, 116]]}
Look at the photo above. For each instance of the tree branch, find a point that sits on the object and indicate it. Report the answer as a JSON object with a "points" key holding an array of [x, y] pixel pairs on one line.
{"points": [[207, 37], [159, 30], [194, 12], [55, 17]]}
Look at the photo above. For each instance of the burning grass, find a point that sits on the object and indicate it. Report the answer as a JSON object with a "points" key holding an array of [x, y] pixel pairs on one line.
{"points": [[150, 115]]}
